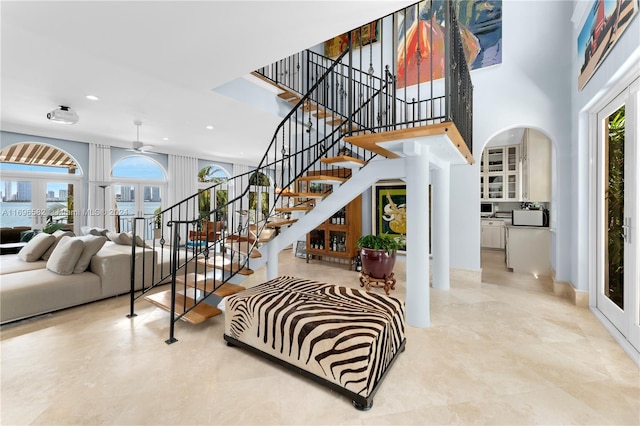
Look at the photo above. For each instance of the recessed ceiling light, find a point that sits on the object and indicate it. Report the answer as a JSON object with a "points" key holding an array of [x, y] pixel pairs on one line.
{"points": [[165, 139], [210, 127], [92, 97]]}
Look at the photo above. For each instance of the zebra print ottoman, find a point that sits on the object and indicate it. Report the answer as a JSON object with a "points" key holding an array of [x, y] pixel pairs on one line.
{"points": [[341, 337]]}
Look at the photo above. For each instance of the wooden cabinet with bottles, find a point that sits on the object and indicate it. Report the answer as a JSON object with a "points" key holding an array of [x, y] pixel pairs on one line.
{"points": [[336, 237]]}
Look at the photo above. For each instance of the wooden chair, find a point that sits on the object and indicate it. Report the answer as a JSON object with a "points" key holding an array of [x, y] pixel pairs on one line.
{"points": [[211, 231]]}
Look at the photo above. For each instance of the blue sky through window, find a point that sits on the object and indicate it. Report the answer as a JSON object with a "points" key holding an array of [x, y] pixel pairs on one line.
{"points": [[137, 167]]}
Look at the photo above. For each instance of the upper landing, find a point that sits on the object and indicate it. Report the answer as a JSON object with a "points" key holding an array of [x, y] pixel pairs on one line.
{"points": [[443, 140]]}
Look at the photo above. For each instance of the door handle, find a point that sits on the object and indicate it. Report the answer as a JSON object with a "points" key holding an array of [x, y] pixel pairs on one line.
{"points": [[626, 228]]}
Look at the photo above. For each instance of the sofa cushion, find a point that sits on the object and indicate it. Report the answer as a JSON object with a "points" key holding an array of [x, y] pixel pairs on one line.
{"points": [[36, 247], [92, 244], [65, 256], [119, 238], [11, 263], [58, 234]]}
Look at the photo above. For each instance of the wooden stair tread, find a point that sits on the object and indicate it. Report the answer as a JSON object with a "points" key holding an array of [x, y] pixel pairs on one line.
{"points": [[342, 160], [227, 289], [312, 195], [293, 209], [322, 178], [294, 100], [279, 223], [198, 281], [197, 315], [242, 249], [323, 114], [226, 264], [335, 121], [286, 95]]}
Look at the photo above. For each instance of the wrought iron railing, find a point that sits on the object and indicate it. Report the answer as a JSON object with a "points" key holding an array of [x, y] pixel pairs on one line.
{"points": [[339, 99]]}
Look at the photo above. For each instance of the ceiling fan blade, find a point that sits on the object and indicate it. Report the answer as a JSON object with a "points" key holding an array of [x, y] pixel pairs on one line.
{"points": [[146, 147]]}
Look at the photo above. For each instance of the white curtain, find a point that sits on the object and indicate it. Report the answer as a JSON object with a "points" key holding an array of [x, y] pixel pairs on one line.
{"points": [[101, 210], [183, 183], [237, 188]]}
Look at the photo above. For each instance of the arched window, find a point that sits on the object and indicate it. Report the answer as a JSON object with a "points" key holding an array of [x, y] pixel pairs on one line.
{"points": [[40, 187], [139, 184], [217, 177]]}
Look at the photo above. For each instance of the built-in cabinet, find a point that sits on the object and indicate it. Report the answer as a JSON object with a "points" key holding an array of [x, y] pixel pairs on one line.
{"points": [[536, 167], [336, 237], [492, 234], [499, 173], [517, 172]]}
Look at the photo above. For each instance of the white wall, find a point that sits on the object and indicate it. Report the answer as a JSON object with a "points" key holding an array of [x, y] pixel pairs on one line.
{"points": [[622, 58], [529, 89]]}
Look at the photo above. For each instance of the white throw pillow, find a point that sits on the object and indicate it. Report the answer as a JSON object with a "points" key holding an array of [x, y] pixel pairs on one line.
{"points": [[36, 247], [92, 244], [65, 255], [139, 241], [119, 238], [58, 234]]}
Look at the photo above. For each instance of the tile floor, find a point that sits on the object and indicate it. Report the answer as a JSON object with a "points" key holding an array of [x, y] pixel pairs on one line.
{"points": [[502, 352]]}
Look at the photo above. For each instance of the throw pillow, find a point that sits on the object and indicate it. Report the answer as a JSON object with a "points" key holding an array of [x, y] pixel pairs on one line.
{"points": [[119, 238], [139, 241], [36, 247], [65, 255], [92, 244], [98, 232], [58, 234]]}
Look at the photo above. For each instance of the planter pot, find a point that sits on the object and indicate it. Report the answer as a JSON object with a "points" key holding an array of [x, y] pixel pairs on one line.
{"points": [[377, 263]]}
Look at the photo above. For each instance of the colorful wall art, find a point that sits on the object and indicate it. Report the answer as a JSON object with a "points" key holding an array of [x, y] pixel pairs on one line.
{"points": [[390, 209], [421, 29], [606, 22], [367, 34]]}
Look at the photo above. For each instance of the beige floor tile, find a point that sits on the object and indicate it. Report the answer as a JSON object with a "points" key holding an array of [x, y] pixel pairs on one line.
{"points": [[504, 351]]}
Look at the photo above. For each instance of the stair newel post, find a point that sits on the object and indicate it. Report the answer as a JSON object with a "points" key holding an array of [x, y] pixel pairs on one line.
{"points": [[133, 270], [174, 270], [350, 97]]}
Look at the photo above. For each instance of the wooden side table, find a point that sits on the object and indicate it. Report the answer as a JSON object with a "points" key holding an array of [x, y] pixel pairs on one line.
{"points": [[388, 283]]}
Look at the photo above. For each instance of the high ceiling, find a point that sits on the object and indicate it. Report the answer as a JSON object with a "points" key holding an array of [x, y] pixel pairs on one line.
{"points": [[157, 62]]}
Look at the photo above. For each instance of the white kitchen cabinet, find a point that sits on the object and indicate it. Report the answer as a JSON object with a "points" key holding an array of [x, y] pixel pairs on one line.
{"points": [[528, 249], [492, 234], [535, 169], [499, 173]]}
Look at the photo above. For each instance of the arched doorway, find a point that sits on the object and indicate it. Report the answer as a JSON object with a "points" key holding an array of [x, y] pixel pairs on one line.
{"points": [[40, 187], [516, 175]]}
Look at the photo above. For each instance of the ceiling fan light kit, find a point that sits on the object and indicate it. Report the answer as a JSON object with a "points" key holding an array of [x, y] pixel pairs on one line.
{"points": [[138, 146]]}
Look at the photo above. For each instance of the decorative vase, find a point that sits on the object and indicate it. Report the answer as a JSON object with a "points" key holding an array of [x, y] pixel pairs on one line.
{"points": [[377, 263]]}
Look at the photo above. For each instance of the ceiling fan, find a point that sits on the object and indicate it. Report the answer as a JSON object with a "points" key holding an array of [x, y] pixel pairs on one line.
{"points": [[138, 146]]}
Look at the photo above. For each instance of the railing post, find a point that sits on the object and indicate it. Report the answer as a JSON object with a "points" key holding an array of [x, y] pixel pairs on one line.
{"points": [[447, 59], [350, 94], [132, 264], [174, 269]]}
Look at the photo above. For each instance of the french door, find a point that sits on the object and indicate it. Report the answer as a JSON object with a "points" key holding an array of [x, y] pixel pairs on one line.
{"points": [[30, 200], [618, 282], [136, 200]]}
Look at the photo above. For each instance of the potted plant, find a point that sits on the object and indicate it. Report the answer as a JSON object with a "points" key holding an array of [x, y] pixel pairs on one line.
{"points": [[378, 254]]}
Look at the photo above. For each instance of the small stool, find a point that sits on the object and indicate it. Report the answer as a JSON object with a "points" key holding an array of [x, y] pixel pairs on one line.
{"points": [[387, 283]]}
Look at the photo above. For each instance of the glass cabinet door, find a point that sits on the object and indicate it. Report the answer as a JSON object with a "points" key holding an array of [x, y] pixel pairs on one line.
{"points": [[512, 186], [512, 158], [495, 159], [482, 194], [496, 187]]}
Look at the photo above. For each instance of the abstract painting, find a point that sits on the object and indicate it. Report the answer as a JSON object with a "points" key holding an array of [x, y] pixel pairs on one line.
{"points": [[604, 25], [421, 29]]}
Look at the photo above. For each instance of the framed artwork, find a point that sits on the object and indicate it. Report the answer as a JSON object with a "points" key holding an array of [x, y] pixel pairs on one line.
{"points": [[606, 22], [389, 212], [370, 33], [480, 23]]}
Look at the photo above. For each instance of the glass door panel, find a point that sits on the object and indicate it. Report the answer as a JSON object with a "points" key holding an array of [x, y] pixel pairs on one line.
{"points": [[512, 187], [512, 158], [496, 187], [495, 159], [16, 204], [60, 203]]}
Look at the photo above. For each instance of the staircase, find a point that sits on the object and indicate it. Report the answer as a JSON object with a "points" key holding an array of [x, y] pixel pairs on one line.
{"points": [[339, 132]]}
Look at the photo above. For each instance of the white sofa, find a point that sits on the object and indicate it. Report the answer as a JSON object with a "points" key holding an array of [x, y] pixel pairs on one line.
{"points": [[29, 288]]}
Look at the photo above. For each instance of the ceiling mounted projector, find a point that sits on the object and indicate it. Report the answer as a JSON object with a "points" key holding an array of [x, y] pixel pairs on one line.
{"points": [[63, 115]]}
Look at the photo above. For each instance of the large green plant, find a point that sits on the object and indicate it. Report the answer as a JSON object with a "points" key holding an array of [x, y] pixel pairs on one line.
{"points": [[384, 242], [614, 197]]}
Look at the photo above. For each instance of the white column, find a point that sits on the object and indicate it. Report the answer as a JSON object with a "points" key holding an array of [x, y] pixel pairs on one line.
{"points": [[272, 260], [440, 229], [417, 295]]}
